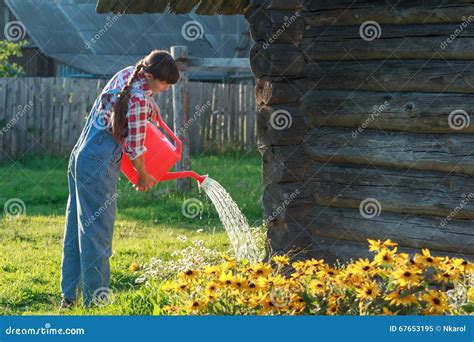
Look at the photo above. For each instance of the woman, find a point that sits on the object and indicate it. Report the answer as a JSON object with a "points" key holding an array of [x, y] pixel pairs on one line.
{"points": [[116, 122]]}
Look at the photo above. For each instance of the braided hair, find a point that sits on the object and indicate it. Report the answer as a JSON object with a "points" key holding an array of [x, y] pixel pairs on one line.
{"points": [[162, 66]]}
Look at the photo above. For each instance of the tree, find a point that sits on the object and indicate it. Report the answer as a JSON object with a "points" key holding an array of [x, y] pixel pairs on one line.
{"points": [[7, 50]]}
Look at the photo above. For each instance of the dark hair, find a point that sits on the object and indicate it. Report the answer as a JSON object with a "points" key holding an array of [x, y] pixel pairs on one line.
{"points": [[162, 66]]}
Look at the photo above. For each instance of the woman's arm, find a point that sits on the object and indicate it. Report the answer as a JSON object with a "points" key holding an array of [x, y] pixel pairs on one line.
{"points": [[145, 180]]}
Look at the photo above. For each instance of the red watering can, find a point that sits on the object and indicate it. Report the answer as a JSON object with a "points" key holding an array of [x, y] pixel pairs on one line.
{"points": [[160, 157]]}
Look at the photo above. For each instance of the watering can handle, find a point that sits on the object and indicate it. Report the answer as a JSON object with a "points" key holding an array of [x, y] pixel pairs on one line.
{"points": [[171, 133]]}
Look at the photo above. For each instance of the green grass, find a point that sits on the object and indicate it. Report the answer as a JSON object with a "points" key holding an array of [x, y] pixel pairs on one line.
{"points": [[147, 226]]}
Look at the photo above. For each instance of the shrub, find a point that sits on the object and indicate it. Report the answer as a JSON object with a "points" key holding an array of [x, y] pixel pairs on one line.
{"points": [[389, 283]]}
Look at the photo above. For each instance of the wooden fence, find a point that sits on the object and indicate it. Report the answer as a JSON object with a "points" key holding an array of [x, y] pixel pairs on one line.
{"points": [[46, 115]]}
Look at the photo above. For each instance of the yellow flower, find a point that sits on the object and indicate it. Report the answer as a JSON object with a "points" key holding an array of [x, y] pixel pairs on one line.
{"points": [[189, 275], [368, 291], [239, 282], [332, 309], [195, 305], [226, 278], [211, 270], [446, 276], [281, 259], [397, 298], [406, 276], [365, 267], [463, 265], [183, 286], [376, 245], [317, 288], [437, 302], [134, 267], [387, 312], [260, 270], [270, 281], [211, 287], [426, 259], [385, 256], [470, 294]]}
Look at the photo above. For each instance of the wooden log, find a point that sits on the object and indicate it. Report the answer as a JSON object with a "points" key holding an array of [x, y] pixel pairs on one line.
{"points": [[391, 75], [181, 115], [282, 164], [398, 191], [407, 230], [269, 91], [280, 125], [275, 26], [410, 112], [432, 152], [273, 60], [427, 41], [47, 85], [330, 13]]}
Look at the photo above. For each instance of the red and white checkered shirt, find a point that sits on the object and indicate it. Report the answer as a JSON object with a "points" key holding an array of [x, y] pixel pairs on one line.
{"points": [[140, 109]]}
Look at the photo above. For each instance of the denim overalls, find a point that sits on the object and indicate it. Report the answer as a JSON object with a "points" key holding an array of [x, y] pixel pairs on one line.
{"points": [[93, 172]]}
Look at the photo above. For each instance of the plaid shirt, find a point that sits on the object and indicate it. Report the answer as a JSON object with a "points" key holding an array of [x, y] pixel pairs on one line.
{"points": [[140, 108]]}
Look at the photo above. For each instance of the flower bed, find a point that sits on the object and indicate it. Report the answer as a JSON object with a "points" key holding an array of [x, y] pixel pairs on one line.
{"points": [[389, 283]]}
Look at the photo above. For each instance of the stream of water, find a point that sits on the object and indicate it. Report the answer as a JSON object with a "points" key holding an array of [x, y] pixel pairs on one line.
{"points": [[233, 220]]}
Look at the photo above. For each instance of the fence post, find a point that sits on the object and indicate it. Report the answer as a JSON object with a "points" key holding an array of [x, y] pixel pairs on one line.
{"points": [[181, 113]]}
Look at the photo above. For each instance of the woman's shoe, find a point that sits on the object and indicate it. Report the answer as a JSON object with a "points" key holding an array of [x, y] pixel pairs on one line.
{"points": [[67, 303]]}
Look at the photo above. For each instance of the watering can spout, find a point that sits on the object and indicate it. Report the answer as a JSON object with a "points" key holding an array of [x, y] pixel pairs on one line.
{"points": [[183, 174]]}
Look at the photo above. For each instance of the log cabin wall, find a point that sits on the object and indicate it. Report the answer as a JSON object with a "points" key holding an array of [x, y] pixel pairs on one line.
{"points": [[365, 124]]}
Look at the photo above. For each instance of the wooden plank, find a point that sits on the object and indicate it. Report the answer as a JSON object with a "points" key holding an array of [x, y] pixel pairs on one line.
{"points": [[432, 152], [273, 60], [219, 64], [47, 86], [387, 75], [3, 122], [215, 108], [408, 230], [251, 117], [15, 131], [424, 41], [426, 193], [400, 111], [285, 164], [59, 94], [37, 106], [66, 116], [29, 116], [330, 13]]}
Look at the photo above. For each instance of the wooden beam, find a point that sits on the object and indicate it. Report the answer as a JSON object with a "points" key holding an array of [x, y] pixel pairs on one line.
{"points": [[181, 114], [431, 152], [398, 191], [421, 112]]}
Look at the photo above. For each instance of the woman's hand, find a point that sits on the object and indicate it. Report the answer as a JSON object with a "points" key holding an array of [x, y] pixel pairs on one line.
{"points": [[145, 182]]}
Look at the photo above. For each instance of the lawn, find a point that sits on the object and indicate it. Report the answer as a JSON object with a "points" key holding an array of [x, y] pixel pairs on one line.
{"points": [[148, 225]]}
